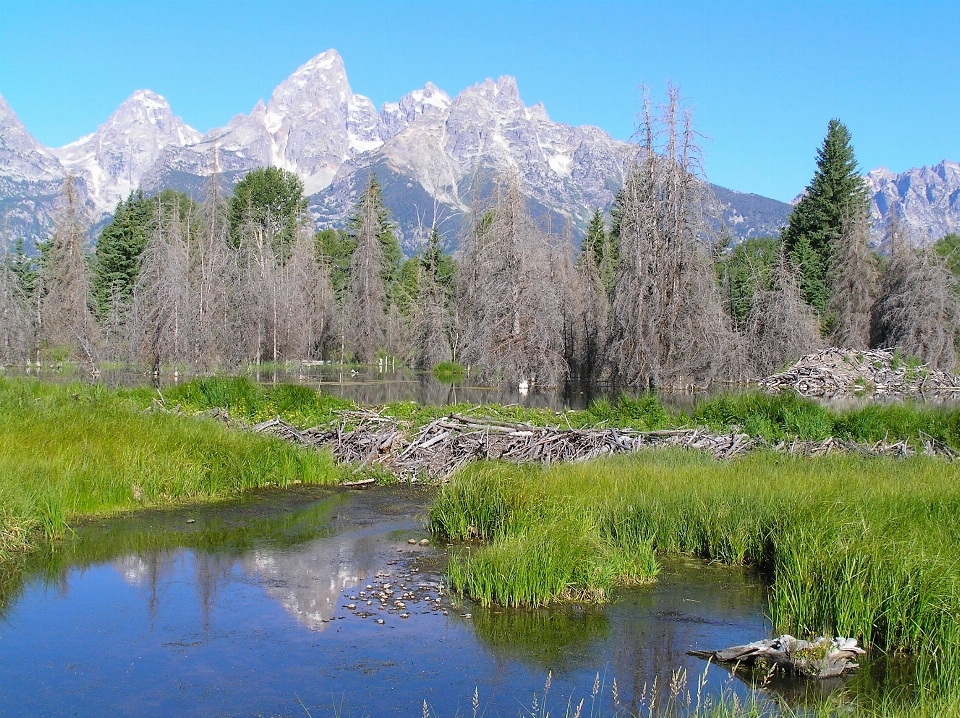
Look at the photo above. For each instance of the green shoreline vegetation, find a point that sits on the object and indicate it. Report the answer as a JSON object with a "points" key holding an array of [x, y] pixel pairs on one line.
{"points": [[67, 452], [851, 546]]}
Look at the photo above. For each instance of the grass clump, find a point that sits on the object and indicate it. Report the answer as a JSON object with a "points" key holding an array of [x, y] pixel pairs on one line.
{"points": [[852, 546], [538, 550], [243, 399], [71, 451], [449, 372]]}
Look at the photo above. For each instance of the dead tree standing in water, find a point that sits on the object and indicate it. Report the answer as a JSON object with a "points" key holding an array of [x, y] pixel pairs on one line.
{"points": [[14, 314], [853, 284], [508, 294], [781, 326], [365, 311], [668, 326], [917, 310], [66, 316], [161, 318]]}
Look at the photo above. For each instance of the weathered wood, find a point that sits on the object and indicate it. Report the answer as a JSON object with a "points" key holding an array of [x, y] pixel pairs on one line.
{"points": [[437, 450], [820, 658], [838, 372]]}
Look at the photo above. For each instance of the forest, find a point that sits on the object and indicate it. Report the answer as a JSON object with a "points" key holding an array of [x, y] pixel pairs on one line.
{"points": [[652, 298]]}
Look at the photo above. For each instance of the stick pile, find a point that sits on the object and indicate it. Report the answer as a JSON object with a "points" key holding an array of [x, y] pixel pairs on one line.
{"points": [[437, 450], [836, 372]]}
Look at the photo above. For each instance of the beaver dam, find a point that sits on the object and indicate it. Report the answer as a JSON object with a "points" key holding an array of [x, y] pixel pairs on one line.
{"points": [[437, 450]]}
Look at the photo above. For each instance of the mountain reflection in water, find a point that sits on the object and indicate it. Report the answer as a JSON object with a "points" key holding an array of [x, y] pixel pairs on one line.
{"points": [[244, 611]]}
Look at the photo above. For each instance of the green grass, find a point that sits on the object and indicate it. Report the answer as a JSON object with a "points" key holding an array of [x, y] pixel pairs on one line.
{"points": [[73, 451], [243, 399], [851, 546], [449, 371]]}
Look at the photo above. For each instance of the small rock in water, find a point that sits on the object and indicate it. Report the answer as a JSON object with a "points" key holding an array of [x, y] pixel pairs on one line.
{"points": [[369, 603], [191, 521], [467, 615], [351, 606], [404, 615], [424, 542], [411, 541], [380, 621], [445, 612]]}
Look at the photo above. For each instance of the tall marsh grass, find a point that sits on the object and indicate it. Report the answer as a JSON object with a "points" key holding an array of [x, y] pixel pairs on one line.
{"points": [[851, 546], [70, 451]]}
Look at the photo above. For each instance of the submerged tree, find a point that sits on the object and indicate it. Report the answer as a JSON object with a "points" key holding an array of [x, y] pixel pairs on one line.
{"points": [[668, 325]]}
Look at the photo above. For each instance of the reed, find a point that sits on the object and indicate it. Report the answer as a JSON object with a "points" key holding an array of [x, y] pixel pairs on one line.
{"points": [[72, 451], [851, 546]]}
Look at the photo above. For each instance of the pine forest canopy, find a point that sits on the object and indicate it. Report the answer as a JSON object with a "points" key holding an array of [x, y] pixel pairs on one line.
{"points": [[644, 302]]}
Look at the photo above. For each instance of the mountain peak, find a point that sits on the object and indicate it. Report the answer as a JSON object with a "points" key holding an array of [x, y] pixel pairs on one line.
{"points": [[326, 68], [146, 98]]}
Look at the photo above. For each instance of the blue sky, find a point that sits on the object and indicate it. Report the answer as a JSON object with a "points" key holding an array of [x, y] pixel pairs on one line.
{"points": [[764, 77]]}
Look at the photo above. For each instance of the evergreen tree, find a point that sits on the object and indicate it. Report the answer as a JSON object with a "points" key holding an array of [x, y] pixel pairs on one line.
{"points": [[121, 243], [836, 192], [602, 247]]}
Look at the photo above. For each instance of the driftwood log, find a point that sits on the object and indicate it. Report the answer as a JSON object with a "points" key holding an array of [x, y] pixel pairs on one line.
{"points": [[820, 658], [435, 451]]}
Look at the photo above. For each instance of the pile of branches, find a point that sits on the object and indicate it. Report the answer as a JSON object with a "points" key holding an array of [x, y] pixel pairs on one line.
{"points": [[435, 451], [839, 372]]}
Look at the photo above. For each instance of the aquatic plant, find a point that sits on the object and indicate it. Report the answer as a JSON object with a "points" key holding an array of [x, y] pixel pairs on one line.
{"points": [[71, 451], [853, 546]]}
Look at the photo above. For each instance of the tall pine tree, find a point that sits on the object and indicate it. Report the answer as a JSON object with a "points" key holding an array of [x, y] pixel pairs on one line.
{"points": [[836, 193]]}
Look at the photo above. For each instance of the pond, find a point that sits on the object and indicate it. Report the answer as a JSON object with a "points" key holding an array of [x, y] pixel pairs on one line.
{"points": [[270, 605]]}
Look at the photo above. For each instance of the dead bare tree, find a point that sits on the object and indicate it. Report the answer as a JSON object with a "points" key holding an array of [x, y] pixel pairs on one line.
{"points": [[162, 321], [508, 293], [365, 308], [586, 314], [854, 285], [14, 315], [213, 280], [781, 326], [668, 323], [66, 314], [918, 310], [305, 312]]}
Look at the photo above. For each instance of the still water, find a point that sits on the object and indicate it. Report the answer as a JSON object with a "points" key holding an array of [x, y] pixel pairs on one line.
{"points": [[243, 609]]}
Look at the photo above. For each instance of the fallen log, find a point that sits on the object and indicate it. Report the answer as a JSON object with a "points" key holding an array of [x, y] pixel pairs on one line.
{"points": [[820, 658]]}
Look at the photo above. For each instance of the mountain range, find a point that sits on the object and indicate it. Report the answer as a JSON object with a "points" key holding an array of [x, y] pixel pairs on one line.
{"points": [[431, 153]]}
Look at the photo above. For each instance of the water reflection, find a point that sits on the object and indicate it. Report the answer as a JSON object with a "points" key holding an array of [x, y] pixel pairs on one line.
{"points": [[244, 611]]}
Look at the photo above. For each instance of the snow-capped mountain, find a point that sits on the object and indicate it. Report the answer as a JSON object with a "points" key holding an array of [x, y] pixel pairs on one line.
{"points": [[113, 161], [927, 200], [30, 179], [430, 153]]}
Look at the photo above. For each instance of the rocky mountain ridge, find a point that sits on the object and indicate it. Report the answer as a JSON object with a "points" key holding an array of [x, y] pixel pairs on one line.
{"points": [[430, 152], [926, 199]]}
